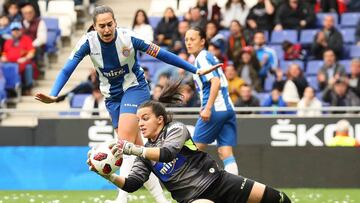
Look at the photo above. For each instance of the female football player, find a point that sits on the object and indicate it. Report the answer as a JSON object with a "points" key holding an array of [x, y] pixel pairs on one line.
{"points": [[113, 52], [217, 117], [188, 173]]}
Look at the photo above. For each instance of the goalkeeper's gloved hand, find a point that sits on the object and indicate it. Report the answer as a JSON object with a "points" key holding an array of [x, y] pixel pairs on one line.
{"points": [[125, 147]]}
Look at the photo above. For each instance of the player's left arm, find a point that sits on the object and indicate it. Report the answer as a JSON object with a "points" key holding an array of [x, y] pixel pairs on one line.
{"points": [[168, 57]]}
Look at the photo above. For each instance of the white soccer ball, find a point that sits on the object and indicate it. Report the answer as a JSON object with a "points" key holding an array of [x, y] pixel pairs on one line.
{"points": [[103, 161]]}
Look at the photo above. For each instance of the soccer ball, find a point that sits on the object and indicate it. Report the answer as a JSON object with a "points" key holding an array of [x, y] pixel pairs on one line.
{"points": [[103, 161]]}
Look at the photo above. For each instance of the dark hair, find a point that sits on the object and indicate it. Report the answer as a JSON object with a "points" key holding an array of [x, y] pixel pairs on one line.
{"points": [[7, 5], [101, 10], [286, 45], [228, 4], [202, 34], [146, 20], [170, 95]]}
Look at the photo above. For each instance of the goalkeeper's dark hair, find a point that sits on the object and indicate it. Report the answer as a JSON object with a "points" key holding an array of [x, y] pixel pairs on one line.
{"points": [[170, 96]]}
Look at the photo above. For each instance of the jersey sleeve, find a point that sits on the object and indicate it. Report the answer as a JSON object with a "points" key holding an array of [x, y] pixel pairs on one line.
{"points": [[139, 174], [176, 136], [205, 61], [161, 54], [81, 50]]}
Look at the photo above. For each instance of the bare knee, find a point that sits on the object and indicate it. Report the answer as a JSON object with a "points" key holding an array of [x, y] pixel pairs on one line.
{"points": [[202, 201], [225, 152]]}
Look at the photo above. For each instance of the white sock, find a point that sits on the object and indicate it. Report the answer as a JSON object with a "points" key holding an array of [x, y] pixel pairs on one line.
{"points": [[155, 189], [230, 165], [125, 169]]}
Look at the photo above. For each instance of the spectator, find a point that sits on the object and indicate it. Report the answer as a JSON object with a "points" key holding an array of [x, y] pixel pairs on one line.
{"points": [[249, 67], [141, 25], [19, 50], [294, 85], [163, 79], [183, 75], [190, 97], [274, 100], [293, 51], [354, 81], [235, 10], [147, 76], [94, 104], [215, 49], [236, 42], [5, 31], [294, 14], [203, 5], [178, 43], [216, 13], [266, 56], [327, 6], [246, 99], [234, 82], [327, 38], [213, 35], [196, 19], [342, 136], [156, 92], [164, 30], [11, 9], [330, 71], [309, 105], [35, 27], [353, 6], [260, 17], [339, 94]]}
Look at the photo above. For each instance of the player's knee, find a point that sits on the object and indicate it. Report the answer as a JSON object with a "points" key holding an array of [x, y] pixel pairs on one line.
{"points": [[202, 201], [272, 195], [225, 152]]}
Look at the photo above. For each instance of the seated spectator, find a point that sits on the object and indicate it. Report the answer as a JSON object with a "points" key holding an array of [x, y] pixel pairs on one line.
{"points": [[249, 67], [190, 97], [235, 10], [274, 100], [266, 56], [5, 32], [247, 99], [163, 79], [327, 6], [215, 49], [236, 42], [204, 10], [165, 29], [213, 35], [94, 104], [330, 71], [354, 81], [147, 76], [342, 136], [234, 82], [11, 9], [141, 25], [339, 94], [294, 85], [293, 51], [294, 14], [178, 43], [215, 13], [327, 38], [35, 27], [196, 19], [260, 17], [19, 49], [309, 105], [156, 92]]}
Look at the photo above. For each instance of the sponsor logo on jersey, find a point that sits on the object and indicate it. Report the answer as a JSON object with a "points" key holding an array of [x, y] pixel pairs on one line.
{"points": [[116, 72], [166, 170]]}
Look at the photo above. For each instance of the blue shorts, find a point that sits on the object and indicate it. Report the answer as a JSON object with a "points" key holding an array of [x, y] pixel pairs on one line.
{"points": [[221, 127], [129, 102]]}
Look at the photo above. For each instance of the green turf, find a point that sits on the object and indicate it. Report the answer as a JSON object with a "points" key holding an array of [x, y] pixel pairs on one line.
{"points": [[296, 195]]}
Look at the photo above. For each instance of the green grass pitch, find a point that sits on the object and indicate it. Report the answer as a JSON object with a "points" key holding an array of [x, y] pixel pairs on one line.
{"points": [[142, 196]]}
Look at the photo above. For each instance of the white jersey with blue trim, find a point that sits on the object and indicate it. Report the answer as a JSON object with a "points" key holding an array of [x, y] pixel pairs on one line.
{"points": [[115, 63], [205, 60]]}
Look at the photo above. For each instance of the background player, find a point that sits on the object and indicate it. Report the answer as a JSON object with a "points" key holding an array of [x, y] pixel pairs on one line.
{"points": [[217, 117], [113, 52]]}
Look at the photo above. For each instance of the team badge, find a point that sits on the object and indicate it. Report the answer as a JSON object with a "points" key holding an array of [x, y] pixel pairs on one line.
{"points": [[125, 51]]}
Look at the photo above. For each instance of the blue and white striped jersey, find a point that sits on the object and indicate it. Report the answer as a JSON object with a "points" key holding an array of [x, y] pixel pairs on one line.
{"points": [[115, 62], [222, 102]]}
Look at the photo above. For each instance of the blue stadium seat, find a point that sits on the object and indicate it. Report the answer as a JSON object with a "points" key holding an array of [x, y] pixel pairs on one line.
{"points": [[277, 37], [269, 81], [226, 33], [313, 67], [348, 35], [262, 96], [346, 64], [279, 51], [154, 21], [2, 88], [320, 18], [307, 36], [77, 100], [312, 80], [284, 65], [53, 34], [349, 19], [151, 65], [354, 51], [146, 57], [11, 75]]}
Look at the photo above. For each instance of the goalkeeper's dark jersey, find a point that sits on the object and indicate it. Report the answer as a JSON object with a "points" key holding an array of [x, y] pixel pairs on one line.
{"points": [[189, 173]]}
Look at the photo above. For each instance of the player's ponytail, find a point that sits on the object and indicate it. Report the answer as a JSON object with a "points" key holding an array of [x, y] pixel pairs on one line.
{"points": [[170, 96]]}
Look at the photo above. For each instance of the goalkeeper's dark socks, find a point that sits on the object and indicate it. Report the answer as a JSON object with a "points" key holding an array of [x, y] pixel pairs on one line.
{"points": [[273, 196]]}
